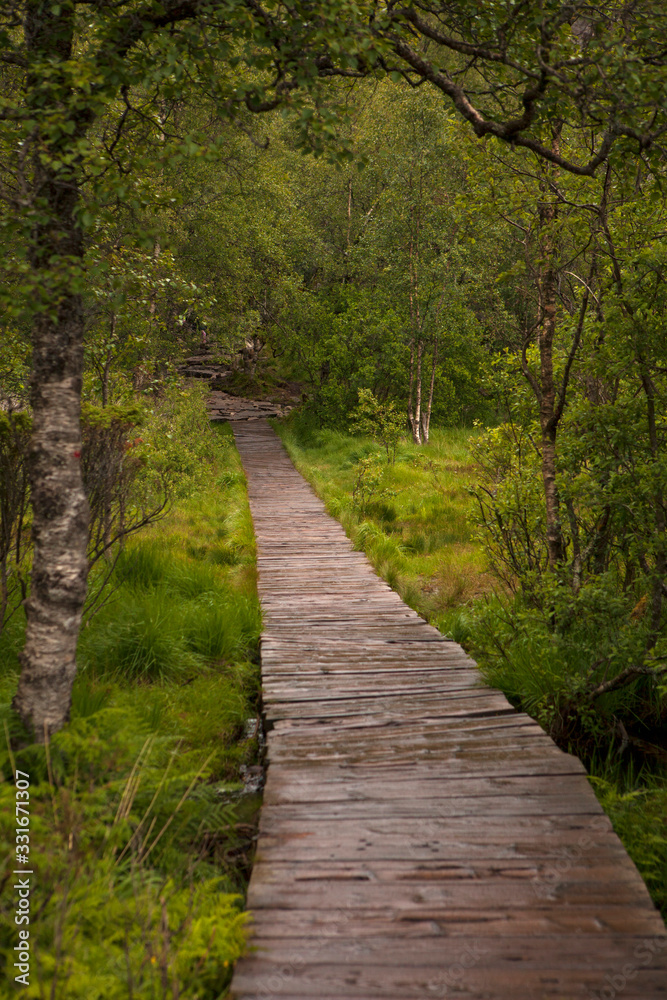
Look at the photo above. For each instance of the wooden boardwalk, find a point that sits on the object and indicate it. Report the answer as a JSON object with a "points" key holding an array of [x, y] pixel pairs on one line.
{"points": [[418, 838]]}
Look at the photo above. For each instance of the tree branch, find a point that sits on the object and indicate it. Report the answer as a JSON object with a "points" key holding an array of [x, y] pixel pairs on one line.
{"points": [[510, 131], [626, 677]]}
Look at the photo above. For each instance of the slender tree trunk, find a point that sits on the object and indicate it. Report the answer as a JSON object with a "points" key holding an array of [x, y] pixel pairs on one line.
{"points": [[105, 382], [414, 416], [107, 364], [60, 507], [577, 562], [426, 415], [412, 413], [416, 431], [548, 290], [157, 248], [660, 542], [555, 544], [152, 305]]}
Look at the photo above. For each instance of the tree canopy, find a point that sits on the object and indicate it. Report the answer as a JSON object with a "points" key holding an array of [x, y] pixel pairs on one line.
{"points": [[154, 185]]}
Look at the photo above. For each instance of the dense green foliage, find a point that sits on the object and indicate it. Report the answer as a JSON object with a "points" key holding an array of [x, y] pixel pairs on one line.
{"points": [[140, 832], [312, 258]]}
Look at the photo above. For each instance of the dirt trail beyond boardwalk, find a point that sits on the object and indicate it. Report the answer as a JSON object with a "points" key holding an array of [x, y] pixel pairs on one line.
{"points": [[223, 405], [418, 838]]}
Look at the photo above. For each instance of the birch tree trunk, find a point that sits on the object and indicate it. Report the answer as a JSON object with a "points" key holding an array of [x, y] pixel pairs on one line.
{"points": [[60, 507], [414, 413], [415, 390], [416, 432], [426, 414]]}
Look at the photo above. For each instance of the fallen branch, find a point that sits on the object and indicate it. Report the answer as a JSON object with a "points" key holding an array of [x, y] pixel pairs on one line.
{"points": [[625, 677]]}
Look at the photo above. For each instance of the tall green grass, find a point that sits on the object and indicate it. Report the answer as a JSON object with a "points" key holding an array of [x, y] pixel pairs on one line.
{"points": [[140, 835], [170, 617], [418, 537]]}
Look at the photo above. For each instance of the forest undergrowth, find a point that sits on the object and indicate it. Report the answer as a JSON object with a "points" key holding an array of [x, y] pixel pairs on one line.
{"points": [[415, 520], [141, 829]]}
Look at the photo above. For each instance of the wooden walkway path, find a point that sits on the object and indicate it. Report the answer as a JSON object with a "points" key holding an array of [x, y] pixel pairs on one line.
{"points": [[418, 838]]}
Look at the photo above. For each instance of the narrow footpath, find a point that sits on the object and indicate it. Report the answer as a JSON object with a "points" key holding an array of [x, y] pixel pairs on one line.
{"points": [[419, 837]]}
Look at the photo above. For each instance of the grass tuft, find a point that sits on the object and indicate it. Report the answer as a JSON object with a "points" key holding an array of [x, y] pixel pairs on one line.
{"points": [[142, 639]]}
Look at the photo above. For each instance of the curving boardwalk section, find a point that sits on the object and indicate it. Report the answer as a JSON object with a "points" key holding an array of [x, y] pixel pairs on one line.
{"points": [[418, 838]]}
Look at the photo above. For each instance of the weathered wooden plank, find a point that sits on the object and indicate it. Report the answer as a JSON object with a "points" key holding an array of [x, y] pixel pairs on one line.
{"points": [[303, 709], [415, 900], [554, 979], [387, 824], [541, 875], [418, 837], [293, 786], [590, 918], [532, 952], [435, 805], [337, 687], [496, 844]]}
